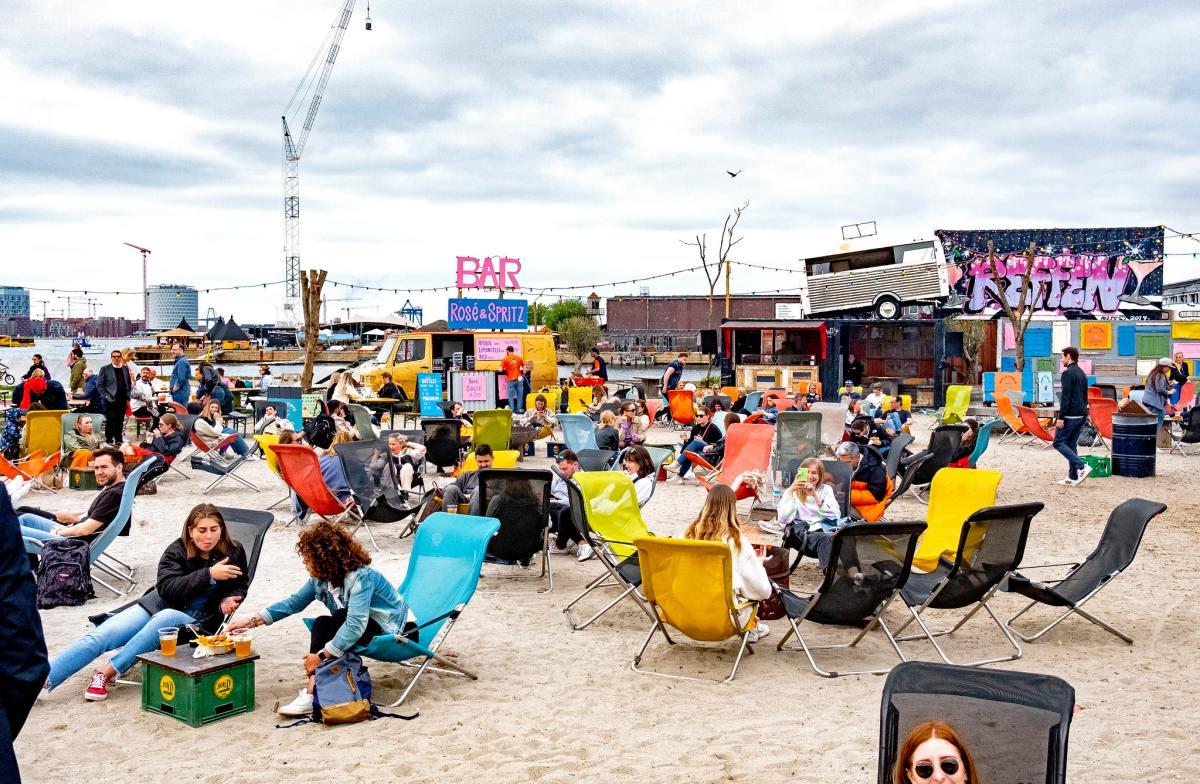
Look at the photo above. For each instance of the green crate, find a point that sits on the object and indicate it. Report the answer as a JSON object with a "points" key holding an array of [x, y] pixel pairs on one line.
{"points": [[1101, 465], [197, 691]]}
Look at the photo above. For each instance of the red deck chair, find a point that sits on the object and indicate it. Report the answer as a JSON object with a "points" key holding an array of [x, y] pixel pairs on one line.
{"points": [[652, 407], [683, 407], [301, 471], [785, 404], [1100, 411], [1033, 426], [201, 448], [747, 448], [1094, 392], [1187, 396]]}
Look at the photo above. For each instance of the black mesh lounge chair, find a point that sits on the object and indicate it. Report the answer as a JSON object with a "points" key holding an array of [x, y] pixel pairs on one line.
{"points": [[797, 438], [842, 476], [989, 549], [896, 453], [520, 500], [1113, 555], [1189, 437], [441, 441], [224, 468], [624, 573], [416, 437], [372, 481], [1015, 724], [868, 565], [943, 443], [185, 429], [596, 459], [906, 479]]}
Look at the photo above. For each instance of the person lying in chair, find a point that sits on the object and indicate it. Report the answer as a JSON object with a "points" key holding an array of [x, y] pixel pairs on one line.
{"points": [[404, 456], [565, 533], [269, 424], [110, 476], [462, 489], [81, 442], [896, 418], [166, 439], [870, 486], [201, 578]]}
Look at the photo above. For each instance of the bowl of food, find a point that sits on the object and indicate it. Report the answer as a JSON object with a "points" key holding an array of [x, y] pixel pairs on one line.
{"points": [[217, 643]]}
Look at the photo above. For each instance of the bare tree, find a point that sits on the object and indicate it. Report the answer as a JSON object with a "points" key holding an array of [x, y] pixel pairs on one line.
{"points": [[974, 332], [712, 272], [1021, 313], [311, 283]]}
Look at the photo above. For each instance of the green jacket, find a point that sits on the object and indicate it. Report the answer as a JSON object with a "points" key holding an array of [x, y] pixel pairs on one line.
{"points": [[77, 373]]}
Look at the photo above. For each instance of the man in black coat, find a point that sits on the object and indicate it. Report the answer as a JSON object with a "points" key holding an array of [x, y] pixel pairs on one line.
{"points": [[115, 384], [23, 663]]}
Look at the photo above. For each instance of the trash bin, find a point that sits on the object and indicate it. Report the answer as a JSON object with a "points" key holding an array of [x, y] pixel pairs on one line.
{"points": [[1134, 445]]}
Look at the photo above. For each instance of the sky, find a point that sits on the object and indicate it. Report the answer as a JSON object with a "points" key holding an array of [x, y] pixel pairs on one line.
{"points": [[588, 139]]}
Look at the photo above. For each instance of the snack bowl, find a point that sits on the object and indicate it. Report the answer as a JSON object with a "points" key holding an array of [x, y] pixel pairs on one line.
{"points": [[216, 644]]}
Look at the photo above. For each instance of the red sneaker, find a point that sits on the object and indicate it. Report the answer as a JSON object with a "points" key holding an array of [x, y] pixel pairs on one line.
{"points": [[97, 689]]}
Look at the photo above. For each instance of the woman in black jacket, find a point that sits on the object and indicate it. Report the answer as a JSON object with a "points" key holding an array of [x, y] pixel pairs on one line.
{"points": [[202, 576]]}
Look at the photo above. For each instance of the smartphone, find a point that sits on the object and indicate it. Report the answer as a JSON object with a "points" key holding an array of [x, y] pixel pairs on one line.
{"points": [[802, 475]]}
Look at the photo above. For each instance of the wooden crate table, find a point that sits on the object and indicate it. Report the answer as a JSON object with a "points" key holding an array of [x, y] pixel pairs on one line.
{"points": [[197, 691], [82, 478]]}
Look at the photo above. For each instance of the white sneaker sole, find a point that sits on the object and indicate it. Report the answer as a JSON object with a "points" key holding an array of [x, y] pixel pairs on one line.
{"points": [[94, 697]]}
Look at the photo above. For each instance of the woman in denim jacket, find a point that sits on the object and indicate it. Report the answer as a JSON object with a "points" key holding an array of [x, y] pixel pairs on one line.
{"points": [[361, 602]]}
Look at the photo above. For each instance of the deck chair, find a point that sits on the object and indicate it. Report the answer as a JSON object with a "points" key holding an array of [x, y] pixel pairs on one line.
{"points": [[1015, 723], [752, 402], [505, 458], [833, 423], [372, 478], [596, 459], [982, 439], [682, 403], [896, 453], [943, 443], [301, 470], [225, 468], [1016, 430], [868, 565], [659, 455], [362, 421], [1034, 427], [1100, 412], [689, 586], [443, 571], [605, 511], [990, 547], [31, 468], [747, 448], [441, 441], [416, 437], [954, 495], [842, 477], [264, 442], [579, 431], [1189, 437], [1112, 556], [725, 401], [493, 427], [958, 400], [578, 399], [43, 431], [552, 395], [915, 469], [520, 500], [68, 424], [797, 438]]}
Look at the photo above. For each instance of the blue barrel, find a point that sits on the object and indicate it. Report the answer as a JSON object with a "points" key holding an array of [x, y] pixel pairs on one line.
{"points": [[1134, 445]]}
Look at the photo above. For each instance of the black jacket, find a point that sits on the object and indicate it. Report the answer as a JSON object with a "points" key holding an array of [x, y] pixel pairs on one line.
{"points": [[1072, 400], [182, 579], [168, 445], [872, 471], [108, 384], [23, 654], [607, 438]]}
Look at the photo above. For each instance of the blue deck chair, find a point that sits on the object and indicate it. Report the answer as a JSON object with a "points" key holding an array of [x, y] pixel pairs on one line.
{"points": [[982, 439], [443, 571], [579, 431]]}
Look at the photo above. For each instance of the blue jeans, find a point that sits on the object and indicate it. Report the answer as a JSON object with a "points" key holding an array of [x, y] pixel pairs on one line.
{"points": [[132, 630], [696, 446], [239, 445], [1065, 440], [893, 423], [515, 388], [37, 527]]}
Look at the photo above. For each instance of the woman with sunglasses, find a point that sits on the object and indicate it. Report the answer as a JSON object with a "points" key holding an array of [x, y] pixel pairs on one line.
{"points": [[934, 752]]}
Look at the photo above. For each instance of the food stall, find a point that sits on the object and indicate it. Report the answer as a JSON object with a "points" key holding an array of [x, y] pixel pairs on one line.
{"points": [[776, 353]]}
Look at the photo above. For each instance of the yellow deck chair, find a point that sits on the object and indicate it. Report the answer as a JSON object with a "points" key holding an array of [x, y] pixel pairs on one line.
{"points": [[493, 427], [552, 397], [612, 509], [578, 399], [955, 495], [905, 403], [689, 585], [958, 400], [43, 431], [265, 441], [501, 458]]}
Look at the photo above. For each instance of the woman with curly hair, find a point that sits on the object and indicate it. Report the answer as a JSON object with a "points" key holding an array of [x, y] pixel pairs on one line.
{"points": [[362, 603]]}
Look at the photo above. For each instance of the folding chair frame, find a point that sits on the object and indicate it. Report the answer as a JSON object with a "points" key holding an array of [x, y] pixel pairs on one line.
{"points": [[611, 579], [230, 468], [1075, 608], [431, 655], [982, 604], [743, 647], [875, 620]]}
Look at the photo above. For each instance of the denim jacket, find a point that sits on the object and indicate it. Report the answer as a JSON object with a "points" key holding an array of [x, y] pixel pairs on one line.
{"points": [[365, 594]]}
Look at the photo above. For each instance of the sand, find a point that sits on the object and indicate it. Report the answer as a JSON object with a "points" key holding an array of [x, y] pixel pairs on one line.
{"points": [[555, 705]]}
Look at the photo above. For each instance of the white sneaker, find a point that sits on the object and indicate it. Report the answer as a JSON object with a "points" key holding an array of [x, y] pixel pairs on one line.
{"points": [[554, 550], [584, 552], [674, 479], [299, 707], [1067, 481], [758, 632], [1083, 474]]}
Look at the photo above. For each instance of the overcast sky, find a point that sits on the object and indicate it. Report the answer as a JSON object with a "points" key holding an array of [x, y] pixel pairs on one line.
{"points": [[586, 138]]}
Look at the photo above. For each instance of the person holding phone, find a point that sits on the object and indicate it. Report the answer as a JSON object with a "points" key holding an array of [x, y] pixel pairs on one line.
{"points": [[810, 499]]}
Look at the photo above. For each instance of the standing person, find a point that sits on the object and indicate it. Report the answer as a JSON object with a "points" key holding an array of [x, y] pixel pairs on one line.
{"points": [[142, 398], [1179, 373], [514, 371], [674, 373], [852, 374], [23, 666], [1072, 414], [599, 366], [115, 384], [38, 364], [1157, 394], [181, 377], [78, 366]]}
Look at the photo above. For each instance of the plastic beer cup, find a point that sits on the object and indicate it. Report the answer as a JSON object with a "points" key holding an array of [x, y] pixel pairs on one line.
{"points": [[241, 642], [168, 638]]}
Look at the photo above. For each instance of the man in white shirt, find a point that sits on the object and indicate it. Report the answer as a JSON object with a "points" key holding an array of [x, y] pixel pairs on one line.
{"points": [[142, 397], [873, 403], [560, 508]]}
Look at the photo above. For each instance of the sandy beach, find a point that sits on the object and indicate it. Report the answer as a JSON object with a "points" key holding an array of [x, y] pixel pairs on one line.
{"points": [[555, 705]]}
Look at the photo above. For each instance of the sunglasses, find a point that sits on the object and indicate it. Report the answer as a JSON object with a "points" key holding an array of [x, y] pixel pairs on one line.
{"points": [[924, 770]]}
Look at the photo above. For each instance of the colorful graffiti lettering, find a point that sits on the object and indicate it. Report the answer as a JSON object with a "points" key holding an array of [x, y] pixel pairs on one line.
{"points": [[1088, 283]]}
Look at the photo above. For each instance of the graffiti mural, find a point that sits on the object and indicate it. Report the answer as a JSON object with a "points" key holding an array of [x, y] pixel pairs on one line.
{"points": [[1098, 272]]}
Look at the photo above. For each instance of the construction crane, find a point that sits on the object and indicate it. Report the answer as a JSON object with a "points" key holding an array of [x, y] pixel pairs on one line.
{"points": [[314, 81]]}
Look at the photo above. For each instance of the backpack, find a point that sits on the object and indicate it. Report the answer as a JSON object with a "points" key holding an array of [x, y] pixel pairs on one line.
{"points": [[64, 576], [342, 694], [319, 431]]}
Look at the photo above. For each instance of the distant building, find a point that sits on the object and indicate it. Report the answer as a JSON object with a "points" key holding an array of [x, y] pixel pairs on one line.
{"points": [[170, 302], [1184, 292], [14, 302], [675, 323]]}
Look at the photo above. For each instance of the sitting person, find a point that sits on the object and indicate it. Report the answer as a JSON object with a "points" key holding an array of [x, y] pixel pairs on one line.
{"points": [[142, 399], [541, 417], [566, 534], [110, 476], [870, 486], [606, 434], [345, 389], [770, 410], [265, 379], [456, 411], [895, 420], [210, 427], [332, 471], [30, 390], [388, 388], [811, 395], [853, 411], [718, 522], [701, 439], [166, 440], [630, 431], [80, 442], [642, 415], [640, 467], [966, 444], [865, 431], [519, 510], [362, 604], [934, 752], [873, 402], [270, 423], [462, 489], [342, 420], [599, 398], [810, 499], [404, 455], [202, 577], [92, 392]]}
